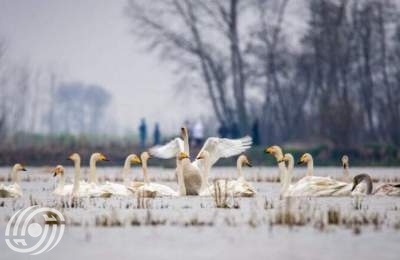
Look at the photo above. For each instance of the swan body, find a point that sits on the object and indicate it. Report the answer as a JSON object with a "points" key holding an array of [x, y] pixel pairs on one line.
{"points": [[13, 190], [193, 171], [388, 190], [150, 189], [314, 185], [237, 188]]}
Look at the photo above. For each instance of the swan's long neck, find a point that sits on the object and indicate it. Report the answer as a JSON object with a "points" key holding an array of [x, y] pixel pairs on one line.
{"points": [[76, 185], [181, 182], [61, 183], [310, 167], [346, 173], [287, 178], [283, 172], [206, 173], [290, 169], [15, 176], [92, 171], [145, 174], [239, 170], [186, 147], [125, 170]]}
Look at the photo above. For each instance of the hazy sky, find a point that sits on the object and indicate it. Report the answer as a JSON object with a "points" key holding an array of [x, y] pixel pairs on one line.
{"points": [[89, 41]]}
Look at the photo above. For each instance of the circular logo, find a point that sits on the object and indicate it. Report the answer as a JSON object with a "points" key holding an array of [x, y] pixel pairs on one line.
{"points": [[29, 236]]}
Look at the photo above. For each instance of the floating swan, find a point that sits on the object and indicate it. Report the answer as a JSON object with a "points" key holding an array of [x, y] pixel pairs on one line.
{"points": [[61, 189], [84, 189], [122, 189], [150, 189], [312, 185], [217, 147], [346, 175], [236, 188], [362, 184], [316, 185], [13, 190], [326, 186], [276, 151]]}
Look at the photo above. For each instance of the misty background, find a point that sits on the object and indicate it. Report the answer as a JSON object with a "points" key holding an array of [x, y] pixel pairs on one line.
{"points": [[317, 74]]}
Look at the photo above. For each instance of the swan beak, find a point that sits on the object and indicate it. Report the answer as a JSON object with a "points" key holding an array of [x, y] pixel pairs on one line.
{"points": [[354, 186], [249, 164], [281, 160], [54, 174], [268, 150], [24, 169], [355, 183], [300, 162], [183, 131], [136, 160]]}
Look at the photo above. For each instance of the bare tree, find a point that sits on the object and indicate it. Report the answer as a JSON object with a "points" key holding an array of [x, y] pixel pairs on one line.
{"points": [[193, 34]]}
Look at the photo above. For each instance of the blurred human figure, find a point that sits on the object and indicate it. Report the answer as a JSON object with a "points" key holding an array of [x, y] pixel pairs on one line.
{"points": [[235, 132], [223, 131], [255, 133], [156, 134], [198, 133], [143, 133]]}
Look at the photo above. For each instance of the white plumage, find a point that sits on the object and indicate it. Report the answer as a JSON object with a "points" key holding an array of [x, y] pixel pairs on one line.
{"points": [[13, 190], [194, 172]]}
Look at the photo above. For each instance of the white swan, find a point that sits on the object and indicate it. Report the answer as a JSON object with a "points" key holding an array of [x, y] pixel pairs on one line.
{"points": [[151, 189], [122, 189], [13, 190], [314, 185], [346, 175], [192, 171], [326, 186], [61, 190], [276, 151], [310, 185], [237, 188], [82, 188]]}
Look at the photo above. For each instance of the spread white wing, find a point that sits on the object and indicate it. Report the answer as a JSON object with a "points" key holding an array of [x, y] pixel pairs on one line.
{"points": [[223, 148], [168, 150]]}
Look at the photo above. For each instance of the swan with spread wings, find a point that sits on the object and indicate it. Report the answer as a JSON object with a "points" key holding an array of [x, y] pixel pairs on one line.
{"points": [[194, 172]]}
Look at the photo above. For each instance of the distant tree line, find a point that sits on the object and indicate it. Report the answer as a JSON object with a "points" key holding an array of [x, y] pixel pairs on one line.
{"points": [[34, 101], [337, 82]]}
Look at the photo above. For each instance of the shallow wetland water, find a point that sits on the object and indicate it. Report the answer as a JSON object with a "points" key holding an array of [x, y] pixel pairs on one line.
{"points": [[193, 227]]}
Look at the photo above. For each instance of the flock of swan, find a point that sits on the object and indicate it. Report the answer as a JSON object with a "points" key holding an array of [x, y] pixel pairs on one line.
{"points": [[192, 176]]}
